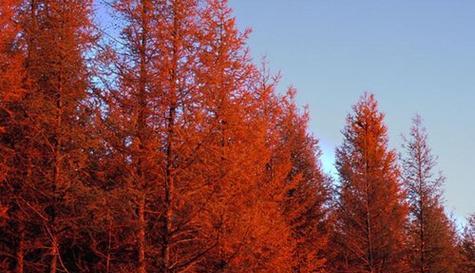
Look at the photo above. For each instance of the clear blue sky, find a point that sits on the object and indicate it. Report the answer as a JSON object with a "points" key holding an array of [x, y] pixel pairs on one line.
{"points": [[417, 56]]}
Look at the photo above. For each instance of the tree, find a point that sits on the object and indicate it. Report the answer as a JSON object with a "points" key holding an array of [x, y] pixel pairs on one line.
{"points": [[243, 211], [467, 247], [132, 140], [371, 214], [11, 73], [307, 196], [12, 131], [177, 109], [53, 37], [432, 238]]}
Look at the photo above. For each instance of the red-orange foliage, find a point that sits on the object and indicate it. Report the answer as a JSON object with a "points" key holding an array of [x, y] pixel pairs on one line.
{"points": [[51, 37], [371, 213], [10, 79], [10, 54], [167, 150], [188, 147], [307, 190], [11, 131]]}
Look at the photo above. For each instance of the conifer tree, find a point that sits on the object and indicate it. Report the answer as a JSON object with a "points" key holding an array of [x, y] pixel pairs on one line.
{"points": [[371, 212], [54, 39], [250, 236], [133, 147], [432, 238], [305, 203], [11, 59], [12, 130]]}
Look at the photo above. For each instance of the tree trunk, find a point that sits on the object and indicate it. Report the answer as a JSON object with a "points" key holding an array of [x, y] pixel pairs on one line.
{"points": [[54, 257], [109, 245], [169, 181], [168, 225], [368, 206], [141, 127], [141, 236], [20, 255], [421, 224]]}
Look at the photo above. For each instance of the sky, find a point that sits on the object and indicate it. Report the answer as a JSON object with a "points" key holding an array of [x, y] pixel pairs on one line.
{"points": [[416, 56]]}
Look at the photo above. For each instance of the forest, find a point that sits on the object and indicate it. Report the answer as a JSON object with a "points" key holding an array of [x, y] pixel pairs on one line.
{"points": [[169, 149]]}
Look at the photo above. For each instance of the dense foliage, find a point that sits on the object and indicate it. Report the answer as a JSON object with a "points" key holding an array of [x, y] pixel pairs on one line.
{"points": [[166, 149]]}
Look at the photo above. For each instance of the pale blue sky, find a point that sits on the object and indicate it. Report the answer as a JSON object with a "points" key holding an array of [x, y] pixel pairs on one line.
{"points": [[417, 56]]}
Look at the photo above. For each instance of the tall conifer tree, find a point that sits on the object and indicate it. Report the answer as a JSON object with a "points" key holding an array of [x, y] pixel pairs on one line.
{"points": [[371, 214], [55, 38], [307, 196], [12, 131]]}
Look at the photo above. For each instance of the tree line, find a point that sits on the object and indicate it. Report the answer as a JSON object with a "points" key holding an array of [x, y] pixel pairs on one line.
{"points": [[167, 149]]}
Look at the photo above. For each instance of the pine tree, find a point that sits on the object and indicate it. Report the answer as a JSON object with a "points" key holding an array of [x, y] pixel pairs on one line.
{"points": [[371, 213], [432, 238]]}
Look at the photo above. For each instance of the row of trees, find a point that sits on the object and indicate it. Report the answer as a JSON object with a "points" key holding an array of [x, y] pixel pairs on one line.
{"points": [[167, 150], [389, 214]]}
